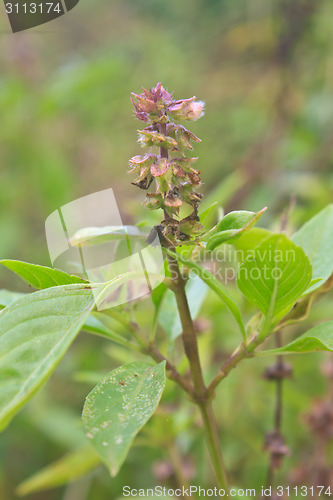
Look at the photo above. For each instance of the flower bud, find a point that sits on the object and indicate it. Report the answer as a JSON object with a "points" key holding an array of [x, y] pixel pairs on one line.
{"points": [[151, 104], [189, 196], [145, 104], [160, 94], [163, 182], [153, 201], [183, 141], [178, 171], [173, 201], [191, 224], [138, 162], [184, 138], [186, 109], [184, 162], [194, 177], [143, 183], [148, 139], [160, 168], [141, 115]]}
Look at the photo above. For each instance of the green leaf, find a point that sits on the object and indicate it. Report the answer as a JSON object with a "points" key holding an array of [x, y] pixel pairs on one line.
{"points": [[299, 312], [119, 406], [238, 220], [7, 297], [249, 240], [169, 319], [68, 468], [158, 293], [319, 338], [95, 325], [209, 211], [35, 333], [40, 277], [232, 226], [316, 239], [274, 276], [213, 283]]}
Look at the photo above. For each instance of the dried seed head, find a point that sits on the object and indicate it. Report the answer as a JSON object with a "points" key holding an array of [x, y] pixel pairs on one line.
{"points": [[275, 444], [278, 371], [320, 419]]}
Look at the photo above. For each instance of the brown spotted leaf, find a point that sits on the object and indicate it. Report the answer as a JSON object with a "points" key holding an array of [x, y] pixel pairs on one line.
{"points": [[119, 406]]}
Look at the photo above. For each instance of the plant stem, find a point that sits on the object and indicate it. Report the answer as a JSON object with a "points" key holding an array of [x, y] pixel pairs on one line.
{"points": [[242, 352], [213, 443], [151, 349], [173, 373], [192, 353], [279, 401], [278, 409], [200, 397], [189, 335]]}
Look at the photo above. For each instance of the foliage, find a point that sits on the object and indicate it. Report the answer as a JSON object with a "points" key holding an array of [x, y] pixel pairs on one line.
{"points": [[274, 274], [264, 72]]}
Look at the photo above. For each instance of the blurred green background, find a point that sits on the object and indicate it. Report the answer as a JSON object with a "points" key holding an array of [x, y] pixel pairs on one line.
{"points": [[265, 71]]}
